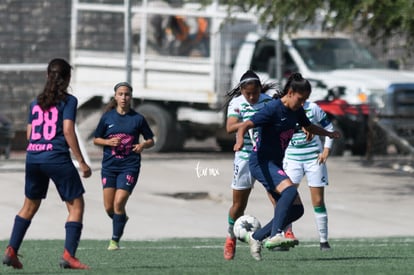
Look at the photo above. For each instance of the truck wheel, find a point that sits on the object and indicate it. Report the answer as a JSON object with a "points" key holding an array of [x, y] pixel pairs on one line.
{"points": [[225, 145], [378, 140], [339, 144], [162, 125]]}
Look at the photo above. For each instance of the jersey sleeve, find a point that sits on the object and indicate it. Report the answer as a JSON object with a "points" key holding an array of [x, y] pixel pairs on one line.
{"points": [[264, 116], [69, 112], [325, 123], [233, 110], [146, 130], [100, 128]]}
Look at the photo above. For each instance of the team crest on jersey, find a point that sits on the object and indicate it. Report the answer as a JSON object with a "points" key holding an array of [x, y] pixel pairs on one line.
{"points": [[281, 172]]}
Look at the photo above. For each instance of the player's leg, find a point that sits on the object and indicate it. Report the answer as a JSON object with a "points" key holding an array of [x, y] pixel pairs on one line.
{"points": [[108, 200], [317, 180], [36, 185], [108, 180], [295, 212], [74, 224], [281, 184], [275, 181], [295, 171], [241, 187], [240, 199], [73, 228], [120, 217], [70, 188], [321, 216], [22, 222], [125, 184]]}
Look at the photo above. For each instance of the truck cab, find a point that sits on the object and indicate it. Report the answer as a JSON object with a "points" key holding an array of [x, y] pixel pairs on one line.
{"points": [[348, 82]]}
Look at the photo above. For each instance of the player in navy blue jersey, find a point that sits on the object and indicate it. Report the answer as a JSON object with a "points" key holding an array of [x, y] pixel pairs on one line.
{"points": [[51, 133], [277, 122], [118, 131]]}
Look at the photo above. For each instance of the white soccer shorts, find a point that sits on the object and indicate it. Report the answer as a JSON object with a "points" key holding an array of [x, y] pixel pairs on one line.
{"points": [[316, 174], [242, 179]]}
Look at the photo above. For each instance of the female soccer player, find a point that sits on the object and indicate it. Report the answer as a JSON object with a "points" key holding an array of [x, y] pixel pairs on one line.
{"points": [[245, 100], [307, 157], [118, 132], [277, 122], [51, 133]]}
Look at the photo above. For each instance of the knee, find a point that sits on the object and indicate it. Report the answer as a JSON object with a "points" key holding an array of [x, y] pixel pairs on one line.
{"points": [[119, 208], [109, 210]]}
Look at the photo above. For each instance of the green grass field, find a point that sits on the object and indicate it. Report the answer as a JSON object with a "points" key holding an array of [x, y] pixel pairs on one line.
{"points": [[205, 256]]}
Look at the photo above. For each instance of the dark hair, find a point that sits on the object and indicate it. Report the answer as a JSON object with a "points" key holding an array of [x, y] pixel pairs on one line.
{"points": [[297, 84], [120, 84], [55, 90], [248, 78]]}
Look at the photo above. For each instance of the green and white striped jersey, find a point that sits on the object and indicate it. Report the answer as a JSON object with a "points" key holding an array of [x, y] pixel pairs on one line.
{"points": [[243, 110], [299, 148]]}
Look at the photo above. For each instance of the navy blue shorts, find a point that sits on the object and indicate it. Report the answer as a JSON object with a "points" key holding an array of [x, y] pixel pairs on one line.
{"points": [[125, 180], [268, 173], [65, 177]]}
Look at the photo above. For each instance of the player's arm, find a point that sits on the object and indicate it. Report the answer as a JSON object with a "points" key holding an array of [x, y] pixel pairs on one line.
{"points": [[232, 124], [316, 130], [72, 140], [243, 128], [28, 131], [138, 148], [113, 142]]}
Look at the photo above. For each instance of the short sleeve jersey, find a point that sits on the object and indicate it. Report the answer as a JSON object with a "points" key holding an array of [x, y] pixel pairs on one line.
{"points": [[240, 108], [299, 148], [276, 124], [47, 142], [129, 128]]}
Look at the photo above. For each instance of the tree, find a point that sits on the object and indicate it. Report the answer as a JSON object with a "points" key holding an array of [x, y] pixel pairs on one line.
{"points": [[381, 20]]}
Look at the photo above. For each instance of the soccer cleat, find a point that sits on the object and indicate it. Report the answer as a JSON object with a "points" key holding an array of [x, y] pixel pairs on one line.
{"points": [[68, 261], [325, 246], [279, 241], [255, 246], [10, 258], [113, 245], [229, 248], [289, 235]]}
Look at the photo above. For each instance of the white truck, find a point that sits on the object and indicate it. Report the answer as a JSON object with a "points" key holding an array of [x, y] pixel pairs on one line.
{"points": [[181, 62]]}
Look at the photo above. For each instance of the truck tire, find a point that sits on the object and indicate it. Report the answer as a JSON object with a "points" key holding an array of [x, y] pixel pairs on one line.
{"points": [[162, 125]]}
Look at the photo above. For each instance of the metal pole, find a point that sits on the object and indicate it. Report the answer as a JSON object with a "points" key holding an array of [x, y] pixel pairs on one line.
{"points": [[279, 49], [127, 41]]}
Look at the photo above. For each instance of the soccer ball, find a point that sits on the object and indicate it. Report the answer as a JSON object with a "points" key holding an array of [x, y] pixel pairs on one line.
{"points": [[245, 224]]}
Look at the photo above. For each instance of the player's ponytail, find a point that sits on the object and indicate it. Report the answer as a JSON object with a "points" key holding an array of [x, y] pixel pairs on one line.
{"points": [[55, 90]]}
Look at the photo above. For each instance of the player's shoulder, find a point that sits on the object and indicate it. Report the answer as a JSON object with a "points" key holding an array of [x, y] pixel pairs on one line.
{"points": [[265, 97], [71, 99], [311, 105], [237, 100]]}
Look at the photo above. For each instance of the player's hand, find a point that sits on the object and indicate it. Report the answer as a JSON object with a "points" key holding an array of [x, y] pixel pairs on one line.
{"points": [[238, 146], [309, 136], [334, 134], [137, 148], [115, 141], [323, 157], [86, 170]]}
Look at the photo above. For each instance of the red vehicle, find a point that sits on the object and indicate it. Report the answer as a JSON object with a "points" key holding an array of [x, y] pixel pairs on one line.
{"points": [[350, 120]]}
